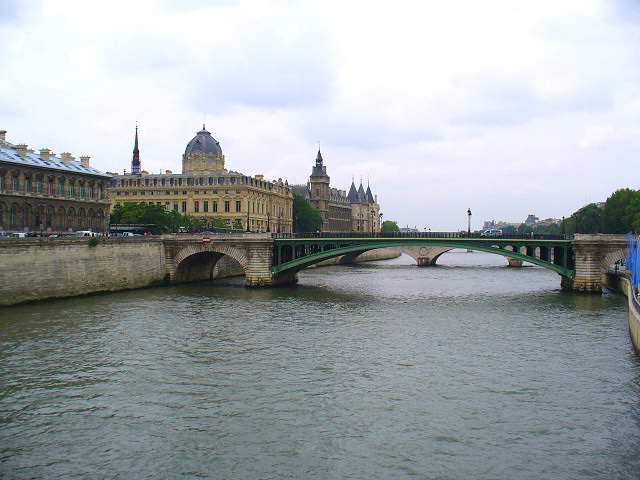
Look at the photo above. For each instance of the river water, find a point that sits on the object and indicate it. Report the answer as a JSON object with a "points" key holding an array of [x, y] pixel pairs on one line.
{"points": [[380, 370]]}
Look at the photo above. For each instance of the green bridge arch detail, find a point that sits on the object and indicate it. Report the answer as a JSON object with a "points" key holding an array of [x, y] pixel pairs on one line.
{"points": [[498, 247]]}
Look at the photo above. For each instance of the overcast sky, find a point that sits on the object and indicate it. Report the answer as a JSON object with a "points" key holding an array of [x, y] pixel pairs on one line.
{"points": [[505, 107]]}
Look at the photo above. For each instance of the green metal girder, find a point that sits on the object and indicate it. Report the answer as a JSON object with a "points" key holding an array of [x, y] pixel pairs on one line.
{"points": [[360, 245]]}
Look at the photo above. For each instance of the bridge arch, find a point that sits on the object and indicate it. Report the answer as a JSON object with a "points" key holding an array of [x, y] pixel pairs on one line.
{"points": [[554, 254], [198, 262]]}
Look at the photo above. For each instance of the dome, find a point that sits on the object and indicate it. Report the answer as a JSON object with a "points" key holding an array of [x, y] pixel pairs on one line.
{"points": [[205, 143]]}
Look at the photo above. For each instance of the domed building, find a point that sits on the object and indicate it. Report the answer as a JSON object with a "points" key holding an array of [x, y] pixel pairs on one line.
{"points": [[203, 154], [207, 190]]}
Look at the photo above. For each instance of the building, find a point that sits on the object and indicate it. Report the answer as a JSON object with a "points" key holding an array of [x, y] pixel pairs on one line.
{"points": [[42, 193], [207, 190], [357, 211]]}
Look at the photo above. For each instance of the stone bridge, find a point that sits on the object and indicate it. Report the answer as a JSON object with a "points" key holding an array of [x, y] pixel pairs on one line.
{"points": [[40, 268]]}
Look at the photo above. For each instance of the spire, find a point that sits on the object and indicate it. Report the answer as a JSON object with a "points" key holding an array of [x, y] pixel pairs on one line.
{"points": [[319, 158], [135, 163]]}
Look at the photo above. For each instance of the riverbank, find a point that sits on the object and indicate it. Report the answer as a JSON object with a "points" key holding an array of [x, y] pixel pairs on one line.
{"points": [[622, 283]]}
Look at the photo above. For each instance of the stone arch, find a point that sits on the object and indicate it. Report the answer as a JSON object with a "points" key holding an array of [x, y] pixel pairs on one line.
{"points": [[611, 258], [197, 262]]}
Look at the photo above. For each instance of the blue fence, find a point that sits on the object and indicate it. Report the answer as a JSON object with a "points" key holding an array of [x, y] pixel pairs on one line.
{"points": [[633, 258]]}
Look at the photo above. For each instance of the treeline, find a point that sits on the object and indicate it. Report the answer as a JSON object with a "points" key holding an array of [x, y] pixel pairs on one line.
{"points": [[165, 221], [619, 214]]}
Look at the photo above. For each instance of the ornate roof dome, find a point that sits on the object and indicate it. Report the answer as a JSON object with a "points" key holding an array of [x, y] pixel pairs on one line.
{"points": [[205, 143]]}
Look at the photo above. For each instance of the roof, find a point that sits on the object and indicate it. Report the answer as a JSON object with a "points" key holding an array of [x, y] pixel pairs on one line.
{"points": [[203, 142], [9, 154]]}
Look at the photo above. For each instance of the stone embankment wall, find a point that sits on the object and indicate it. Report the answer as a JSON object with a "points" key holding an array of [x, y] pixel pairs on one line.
{"points": [[369, 256], [40, 268], [622, 284]]}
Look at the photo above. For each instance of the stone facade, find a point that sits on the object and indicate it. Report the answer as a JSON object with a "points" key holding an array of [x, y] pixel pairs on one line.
{"points": [[42, 193], [357, 211], [206, 189]]}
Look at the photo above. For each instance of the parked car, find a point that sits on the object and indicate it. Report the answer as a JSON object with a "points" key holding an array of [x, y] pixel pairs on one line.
{"points": [[84, 233], [19, 235]]}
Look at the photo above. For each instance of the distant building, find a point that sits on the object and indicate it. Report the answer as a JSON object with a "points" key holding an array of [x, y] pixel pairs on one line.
{"points": [[531, 219], [206, 189], [357, 211], [41, 193]]}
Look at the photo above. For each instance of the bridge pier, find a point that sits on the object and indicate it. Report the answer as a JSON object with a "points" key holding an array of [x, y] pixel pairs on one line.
{"points": [[514, 262], [593, 254]]}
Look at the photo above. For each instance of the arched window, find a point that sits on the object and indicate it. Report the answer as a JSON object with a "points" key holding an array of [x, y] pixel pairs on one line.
{"points": [[13, 215]]}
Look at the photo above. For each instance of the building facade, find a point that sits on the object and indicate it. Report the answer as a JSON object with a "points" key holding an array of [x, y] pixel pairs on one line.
{"points": [[42, 193], [356, 211], [207, 190]]}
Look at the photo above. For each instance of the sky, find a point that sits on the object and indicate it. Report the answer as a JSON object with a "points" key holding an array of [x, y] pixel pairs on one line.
{"points": [[507, 108]]}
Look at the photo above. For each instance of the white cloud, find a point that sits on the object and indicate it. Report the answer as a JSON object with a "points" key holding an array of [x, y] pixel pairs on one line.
{"points": [[509, 108]]}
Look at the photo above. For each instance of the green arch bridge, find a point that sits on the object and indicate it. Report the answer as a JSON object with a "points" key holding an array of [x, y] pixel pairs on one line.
{"points": [[293, 252]]}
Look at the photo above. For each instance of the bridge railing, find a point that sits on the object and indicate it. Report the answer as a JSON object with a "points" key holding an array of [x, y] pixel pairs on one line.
{"points": [[383, 235]]}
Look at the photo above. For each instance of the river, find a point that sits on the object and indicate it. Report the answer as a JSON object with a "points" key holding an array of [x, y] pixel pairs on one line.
{"points": [[379, 370]]}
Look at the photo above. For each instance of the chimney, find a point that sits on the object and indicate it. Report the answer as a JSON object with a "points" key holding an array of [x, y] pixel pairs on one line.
{"points": [[45, 153], [22, 150], [84, 160], [3, 134], [66, 157]]}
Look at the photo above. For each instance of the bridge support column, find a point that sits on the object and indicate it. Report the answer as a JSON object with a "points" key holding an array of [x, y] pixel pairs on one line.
{"points": [[591, 254], [514, 262]]}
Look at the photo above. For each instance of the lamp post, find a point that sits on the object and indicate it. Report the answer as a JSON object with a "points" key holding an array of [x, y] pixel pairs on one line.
{"points": [[268, 222], [563, 224], [469, 223]]}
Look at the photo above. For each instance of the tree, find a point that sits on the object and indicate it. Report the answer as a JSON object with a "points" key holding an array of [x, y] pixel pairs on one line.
{"points": [[524, 229], [585, 220], [305, 217], [389, 226], [621, 212]]}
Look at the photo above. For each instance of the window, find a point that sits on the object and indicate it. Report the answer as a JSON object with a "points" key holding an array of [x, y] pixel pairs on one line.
{"points": [[175, 206], [27, 185], [184, 193], [196, 207], [184, 207], [238, 206], [238, 191], [1, 183], [227, 206], [71, 191], [14, 181], [205, 206], [142, 192], [214, 206], [214, 192], [50, 188], [81, 190]]}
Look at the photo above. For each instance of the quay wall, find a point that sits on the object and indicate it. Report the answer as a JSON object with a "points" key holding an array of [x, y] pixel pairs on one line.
{"points": [[622, 284], [40, 268]]}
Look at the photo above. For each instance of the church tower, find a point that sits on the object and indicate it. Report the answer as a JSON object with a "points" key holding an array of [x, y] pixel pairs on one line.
{"points": [[319, 190], [135, 163]]}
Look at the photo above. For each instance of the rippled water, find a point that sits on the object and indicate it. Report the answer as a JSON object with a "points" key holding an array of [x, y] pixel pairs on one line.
{"points": [[381, 370]]}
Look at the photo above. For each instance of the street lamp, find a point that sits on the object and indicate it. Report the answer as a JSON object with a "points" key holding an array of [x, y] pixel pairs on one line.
{"points": [[268, 222], [469, 224]]}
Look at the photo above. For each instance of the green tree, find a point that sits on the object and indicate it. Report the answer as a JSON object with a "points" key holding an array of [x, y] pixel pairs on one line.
{"points": [[585, 220], [389, 226], [524, 228], [305, 217], [621, 212]]}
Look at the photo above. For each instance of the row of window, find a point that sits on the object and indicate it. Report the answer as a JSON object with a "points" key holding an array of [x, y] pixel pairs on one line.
{"points": [[190, 181], [28, 188]]}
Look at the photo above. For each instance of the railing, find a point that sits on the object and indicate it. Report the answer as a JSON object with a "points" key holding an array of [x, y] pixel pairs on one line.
{"points": [[427, 235]]}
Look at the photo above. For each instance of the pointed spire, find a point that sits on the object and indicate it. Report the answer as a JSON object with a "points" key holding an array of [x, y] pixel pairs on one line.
{"points": [[135, 162], [319, 158]]}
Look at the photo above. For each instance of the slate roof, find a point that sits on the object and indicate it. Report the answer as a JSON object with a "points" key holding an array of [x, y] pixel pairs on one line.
{"points": [[203, 142], [9, 154]]}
